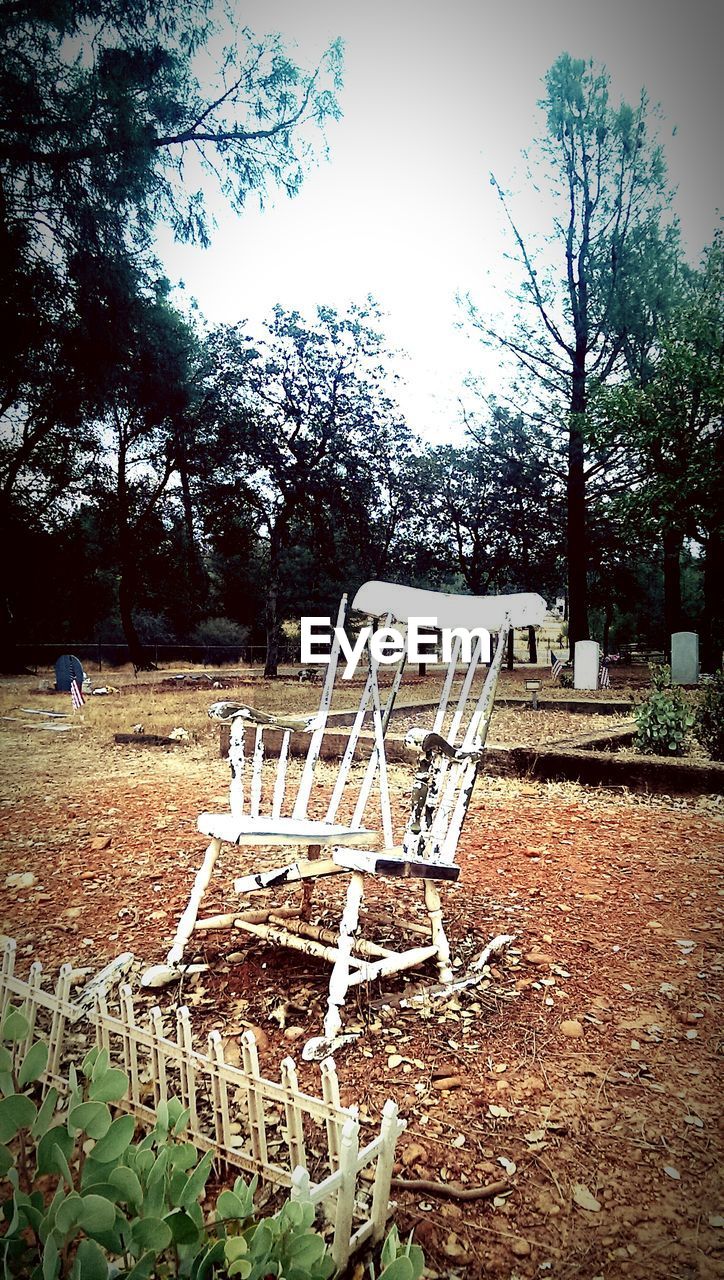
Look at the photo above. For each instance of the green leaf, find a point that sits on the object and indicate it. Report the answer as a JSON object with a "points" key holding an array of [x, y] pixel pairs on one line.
{"points": [[128, 1186], [204, 1263], [307, 1249], [54, 1150], [68, 1213], [400, 1268], [16, 1112], [6, 1059], [108, 1086], [151, 1233], [97, 1214], [197, 1180], [89, 1062], [15, 1025], [95, 1173], [235, 1247], [183, 1155], [182, 1227], [243, 1268], [46, 1113], [230, 1206], [181, 1121], [158, 1171], [90, 1262], [144, 1268], [51, 1260], [7, 1160], [92, 1118], [100, 1064], [116, 1140], [34, 1063]]}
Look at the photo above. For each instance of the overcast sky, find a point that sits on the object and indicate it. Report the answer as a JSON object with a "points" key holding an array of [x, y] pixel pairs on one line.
{"points": [[435, 96]]}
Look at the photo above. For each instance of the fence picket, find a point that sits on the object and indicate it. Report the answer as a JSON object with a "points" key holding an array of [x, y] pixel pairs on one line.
{"points": [[295, 1128], [163, 1066]]}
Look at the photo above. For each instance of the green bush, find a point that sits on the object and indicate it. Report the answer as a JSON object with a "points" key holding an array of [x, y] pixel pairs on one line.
{"points": [[222, 639], [113, 1206], [709, 718], [663, 719]]}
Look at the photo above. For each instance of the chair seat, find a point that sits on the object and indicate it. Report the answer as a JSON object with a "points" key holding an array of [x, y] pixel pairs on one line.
{"points": [[292, 831]]}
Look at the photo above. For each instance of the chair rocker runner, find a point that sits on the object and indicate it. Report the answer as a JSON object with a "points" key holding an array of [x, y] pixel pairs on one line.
{"points": [[360, 842]]}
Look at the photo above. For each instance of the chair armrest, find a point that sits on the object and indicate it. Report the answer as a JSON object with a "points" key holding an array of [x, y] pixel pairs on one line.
{"points": [[227, 712]]}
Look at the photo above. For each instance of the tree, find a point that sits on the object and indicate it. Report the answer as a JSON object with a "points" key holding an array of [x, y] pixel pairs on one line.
{"points": [[606, 175], [497, 506], [306, 425], [115, 114], [671, 424], [147, 393]]}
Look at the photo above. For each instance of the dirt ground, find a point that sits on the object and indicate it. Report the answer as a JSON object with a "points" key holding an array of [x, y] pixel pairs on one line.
{"points": [[588, 1065]]}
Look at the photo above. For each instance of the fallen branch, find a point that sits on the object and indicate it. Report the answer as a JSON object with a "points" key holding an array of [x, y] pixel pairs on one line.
{"points": [[453, 1190]]}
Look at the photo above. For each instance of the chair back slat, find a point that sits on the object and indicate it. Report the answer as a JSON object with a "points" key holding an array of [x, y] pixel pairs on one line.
{"points": [[443, 783], [256, 773], [236, 764], [353, 739], [378, 752], [447, 686], [281, 778], [454, 806], [315, 745]]}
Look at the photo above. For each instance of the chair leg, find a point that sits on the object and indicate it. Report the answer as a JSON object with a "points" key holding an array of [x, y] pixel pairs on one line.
{"points": [[188, 919], [439, 939], [313, 851], [339, 980]]}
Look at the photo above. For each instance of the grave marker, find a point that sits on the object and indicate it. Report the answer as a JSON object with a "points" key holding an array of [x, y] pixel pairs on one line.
{"points": [[586, 664], [67, 669], [684, 657]]}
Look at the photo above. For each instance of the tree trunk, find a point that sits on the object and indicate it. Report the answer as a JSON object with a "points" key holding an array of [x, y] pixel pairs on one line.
{"points": [[672, 543], [532, 645], [576, 517], [511, 643], [712, 638], [137, 653], [196, 572], [272, 602], [127, 565]]}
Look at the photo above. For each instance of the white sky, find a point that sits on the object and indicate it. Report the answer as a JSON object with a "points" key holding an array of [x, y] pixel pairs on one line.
{"points": [[435, 96]]}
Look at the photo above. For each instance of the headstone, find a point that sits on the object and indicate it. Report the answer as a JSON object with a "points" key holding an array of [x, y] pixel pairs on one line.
{"points": [[684, 657], [586, 663], [67, 669]]}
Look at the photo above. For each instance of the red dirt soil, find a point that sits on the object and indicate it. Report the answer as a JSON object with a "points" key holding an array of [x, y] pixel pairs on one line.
{"points": [[617, 908]]}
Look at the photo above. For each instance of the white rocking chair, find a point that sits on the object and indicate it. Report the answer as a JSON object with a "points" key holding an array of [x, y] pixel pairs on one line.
{"points": [[450, 753]]}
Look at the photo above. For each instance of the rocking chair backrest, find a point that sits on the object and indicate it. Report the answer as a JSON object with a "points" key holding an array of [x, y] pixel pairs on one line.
{"points": [[445, 779], [284, 796], [451, 754]]}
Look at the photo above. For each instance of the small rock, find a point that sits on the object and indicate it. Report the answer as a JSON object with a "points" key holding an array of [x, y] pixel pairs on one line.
{"points": [[572, 1028], [20, 880], [520, 1248], [294, 1033], [101, 842], [540, 958]]}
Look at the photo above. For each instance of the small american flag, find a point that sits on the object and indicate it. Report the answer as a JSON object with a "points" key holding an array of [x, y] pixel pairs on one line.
{"points": [[557, 666], [76, 694], [604, 680]]}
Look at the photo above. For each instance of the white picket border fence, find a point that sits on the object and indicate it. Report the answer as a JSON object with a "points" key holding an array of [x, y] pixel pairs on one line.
{"points": [[230, 1107]]}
